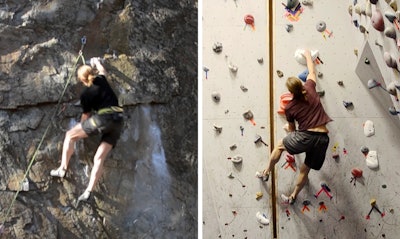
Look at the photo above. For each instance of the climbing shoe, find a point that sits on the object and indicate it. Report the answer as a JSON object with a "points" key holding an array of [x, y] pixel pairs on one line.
{"points": [[58, 172], [85, 196]]}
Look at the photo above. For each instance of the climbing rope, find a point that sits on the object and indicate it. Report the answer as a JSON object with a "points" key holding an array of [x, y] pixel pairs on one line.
{"points": [[80, 56]]}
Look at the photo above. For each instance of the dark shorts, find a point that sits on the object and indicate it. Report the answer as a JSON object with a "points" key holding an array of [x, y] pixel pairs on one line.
{"points": [[108, 125], [314, 144]]}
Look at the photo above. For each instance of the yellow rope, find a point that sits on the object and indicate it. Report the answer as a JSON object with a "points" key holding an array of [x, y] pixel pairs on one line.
{"points": [[80, 56]]}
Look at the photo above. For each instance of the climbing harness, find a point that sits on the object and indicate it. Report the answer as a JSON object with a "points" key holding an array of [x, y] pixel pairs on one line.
{"points": [[80, 56]]}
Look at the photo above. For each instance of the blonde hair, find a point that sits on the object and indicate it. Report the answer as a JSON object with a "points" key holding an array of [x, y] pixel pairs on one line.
{"points": [[295, 86], [86, 74]]}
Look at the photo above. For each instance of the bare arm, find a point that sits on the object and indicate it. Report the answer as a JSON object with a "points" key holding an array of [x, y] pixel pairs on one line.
{"points": [[310, 66], [95, 62]]}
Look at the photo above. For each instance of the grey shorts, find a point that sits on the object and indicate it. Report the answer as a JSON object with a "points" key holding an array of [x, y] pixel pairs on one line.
{"points": [[108, 125], [314, 144]]}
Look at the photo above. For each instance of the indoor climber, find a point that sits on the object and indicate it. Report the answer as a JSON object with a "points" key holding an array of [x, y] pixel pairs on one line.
{"points": [[311, 136], [101, 115]]}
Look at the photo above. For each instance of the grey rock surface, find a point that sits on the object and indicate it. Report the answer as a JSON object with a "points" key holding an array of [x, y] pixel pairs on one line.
{"points": [[149, 185]]}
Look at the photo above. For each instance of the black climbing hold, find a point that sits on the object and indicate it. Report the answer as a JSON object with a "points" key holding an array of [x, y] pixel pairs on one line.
{"points": [[384, 186], [366, 61]]}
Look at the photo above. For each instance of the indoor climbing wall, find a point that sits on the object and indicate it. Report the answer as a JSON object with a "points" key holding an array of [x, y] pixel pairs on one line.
{"points": [[356, 193], [236, 118]]}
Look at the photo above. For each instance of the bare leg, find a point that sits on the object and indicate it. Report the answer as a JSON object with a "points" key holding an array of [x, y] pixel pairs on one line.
{"points": [[71, 137], [301, 180], [98, 162], [274, 157]]}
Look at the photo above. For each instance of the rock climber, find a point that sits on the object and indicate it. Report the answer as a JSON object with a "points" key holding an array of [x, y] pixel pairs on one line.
{"points": [[311, 136], [101, 115]]}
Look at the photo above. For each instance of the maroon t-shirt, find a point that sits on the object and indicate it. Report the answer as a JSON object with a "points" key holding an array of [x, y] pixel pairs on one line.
{"points": [[309, 113]]}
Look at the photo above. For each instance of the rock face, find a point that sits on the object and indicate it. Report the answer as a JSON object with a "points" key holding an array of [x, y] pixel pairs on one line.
{"points": [[149, 185]]}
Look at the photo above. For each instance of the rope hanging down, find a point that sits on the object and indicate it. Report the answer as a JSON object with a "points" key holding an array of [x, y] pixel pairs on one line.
{"points": [[80, 56]]}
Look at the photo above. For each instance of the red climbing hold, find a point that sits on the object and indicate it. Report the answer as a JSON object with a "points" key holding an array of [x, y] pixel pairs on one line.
{"points": [[356, 172], [249, 20]]}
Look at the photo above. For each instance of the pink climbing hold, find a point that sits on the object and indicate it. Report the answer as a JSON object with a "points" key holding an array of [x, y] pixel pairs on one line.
{"points": [[249, 20], [377, 21]]}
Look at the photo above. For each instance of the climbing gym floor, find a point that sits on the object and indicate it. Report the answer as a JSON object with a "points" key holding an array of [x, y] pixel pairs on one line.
{"points": [[244, 44]]}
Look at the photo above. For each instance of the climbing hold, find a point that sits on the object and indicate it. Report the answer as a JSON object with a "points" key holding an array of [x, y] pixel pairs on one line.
{"points": [[307, 2], [372, 83], [397, 13], [364, 150], [378, 43], [233, 147], [285, 98], [321, 93], [389, 60], [237, 159], [217, 128], [366, 61], [363, 29], [390, 16], [357, 9], [279, 73], [206, 70], [249, 20], [259, 139], [292, 4], [390, 32], [369, 129], [261, 218], [299, 56], [368, 9], [362, 10], [260, 60], [233, 68], [372, 160], [321, 26], [231, 176], [373, 1], [340, 83], [243, 88], [350, 10], [289, 27], [217, 47], [216, 97], [259, 195], [393, 5], [249, 116], [357, 173], [347, 104], [393, 111], [391, 88], [377, 20], [303, 76], [320, 74]]}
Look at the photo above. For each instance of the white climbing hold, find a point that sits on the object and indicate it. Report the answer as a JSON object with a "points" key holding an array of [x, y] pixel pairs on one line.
{"points": [[233, 68], [369, 128], [299, 56], [372, 159], [237, 159], [261, 218]]}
